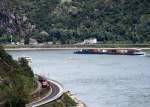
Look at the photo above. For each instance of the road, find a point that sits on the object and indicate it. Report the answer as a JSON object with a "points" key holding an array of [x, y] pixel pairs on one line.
{"points": [[55, 93]]}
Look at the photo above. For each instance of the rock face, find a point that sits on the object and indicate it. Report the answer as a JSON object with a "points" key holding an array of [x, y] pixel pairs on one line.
{"points": [[8, 18], [13, 23]]}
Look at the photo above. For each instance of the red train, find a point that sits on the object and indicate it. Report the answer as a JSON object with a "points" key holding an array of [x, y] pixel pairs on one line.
{"points": [[43, 81]]}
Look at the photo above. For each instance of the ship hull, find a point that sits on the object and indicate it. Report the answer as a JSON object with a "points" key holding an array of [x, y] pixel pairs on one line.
{"points": [[110, 52]]}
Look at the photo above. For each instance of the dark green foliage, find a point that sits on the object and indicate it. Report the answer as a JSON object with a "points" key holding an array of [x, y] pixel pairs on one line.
{"points": [[119, 21], [26, 68], [108, 20], [18, 80], [67, 100]]}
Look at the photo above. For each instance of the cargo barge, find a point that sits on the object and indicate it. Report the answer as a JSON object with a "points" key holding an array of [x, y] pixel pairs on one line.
{"points": [[111, 51]]}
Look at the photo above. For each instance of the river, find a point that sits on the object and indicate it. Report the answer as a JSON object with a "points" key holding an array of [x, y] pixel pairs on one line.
{"points": [[98, 80]]}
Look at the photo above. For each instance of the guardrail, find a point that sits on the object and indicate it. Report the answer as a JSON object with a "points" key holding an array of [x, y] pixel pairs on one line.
{"points": [[59, 94]]}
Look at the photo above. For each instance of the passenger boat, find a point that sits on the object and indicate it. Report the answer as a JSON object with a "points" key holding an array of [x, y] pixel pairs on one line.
{"points": [[27, 58], [111, 51]]}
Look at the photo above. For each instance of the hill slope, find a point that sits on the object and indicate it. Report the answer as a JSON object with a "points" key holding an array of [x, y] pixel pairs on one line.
{"points": [[16, 81], [71, 21]]}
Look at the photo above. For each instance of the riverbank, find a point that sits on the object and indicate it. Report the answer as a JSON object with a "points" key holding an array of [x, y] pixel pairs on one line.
{"points": [[76, 47], [72, 46], [34, 49], [79, 103]]}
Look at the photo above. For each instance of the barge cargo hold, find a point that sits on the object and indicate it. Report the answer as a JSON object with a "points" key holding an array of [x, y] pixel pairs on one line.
{"points": [[111, 51]]}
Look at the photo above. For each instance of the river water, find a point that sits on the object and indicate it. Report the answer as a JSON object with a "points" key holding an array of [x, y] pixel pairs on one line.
{"points": [[98, 80]]}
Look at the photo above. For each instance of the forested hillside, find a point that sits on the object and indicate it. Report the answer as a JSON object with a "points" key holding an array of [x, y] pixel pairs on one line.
{"points": [[16, 81], [71, 21]]}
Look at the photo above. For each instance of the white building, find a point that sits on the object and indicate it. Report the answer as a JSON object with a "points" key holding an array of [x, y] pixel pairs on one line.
{"points": [[49, 43], [90, 41]]}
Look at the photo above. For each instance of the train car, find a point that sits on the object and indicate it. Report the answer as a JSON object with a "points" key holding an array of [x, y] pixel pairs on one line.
{"points": [[45, 84]]}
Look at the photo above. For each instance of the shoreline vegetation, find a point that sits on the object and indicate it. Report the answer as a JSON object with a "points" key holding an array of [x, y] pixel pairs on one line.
{"points": [[74, 47]]}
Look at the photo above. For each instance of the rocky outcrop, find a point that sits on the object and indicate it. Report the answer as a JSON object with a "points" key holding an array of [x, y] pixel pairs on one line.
{"points": [[13, 22]]}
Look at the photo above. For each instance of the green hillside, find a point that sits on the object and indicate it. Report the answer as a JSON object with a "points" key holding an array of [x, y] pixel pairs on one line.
{"points": [[16, 81], [71, 21]]}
